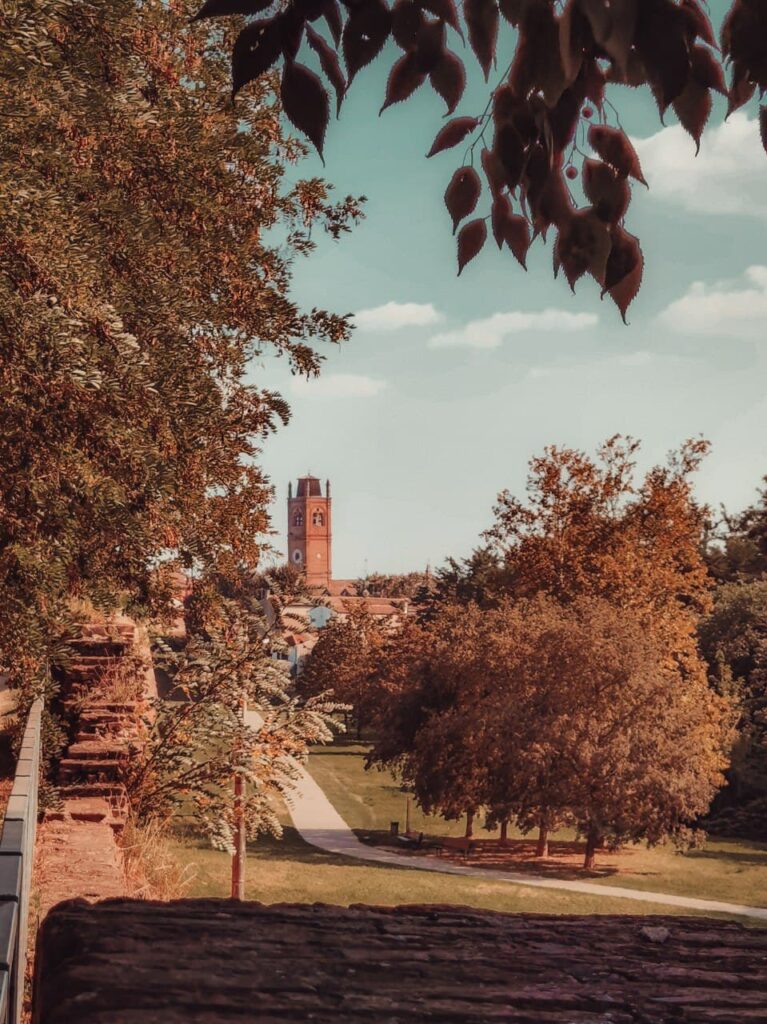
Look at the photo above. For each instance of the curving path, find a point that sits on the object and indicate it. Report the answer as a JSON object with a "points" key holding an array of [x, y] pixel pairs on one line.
{"points": [[320, 824]]}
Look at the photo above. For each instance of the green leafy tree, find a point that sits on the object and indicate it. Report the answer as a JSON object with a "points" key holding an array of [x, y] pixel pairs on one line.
{"points": [[147, 233], [734, 642], [344, 659], [736, 548], [199, 737]]}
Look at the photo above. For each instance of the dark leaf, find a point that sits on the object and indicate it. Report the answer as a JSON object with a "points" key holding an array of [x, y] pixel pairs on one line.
{"points": [[510, 228], [517, 237], [763, 125], [600, 17], [329, 64], [623, 273], [698, 22], [471, 238], [607, 191], [537, 64], [564, 116], [404, 78], [500, 212], [583, 246], [494, 172], [707, 70], [661, 41], [692, 108], [255, 50], [454, 131], [366, 31], [305, 102], [462, 194], [614, 148], [741, 90], [332, 13], [513, 10], [614, 26], [482, 21], [430, 46], [406, 21], [444, 10], [574, 36], [510, 151], [554, 204], [291, 31], [634, 74], [310, 10], [594, 81], [448, 79], [219, 8]]}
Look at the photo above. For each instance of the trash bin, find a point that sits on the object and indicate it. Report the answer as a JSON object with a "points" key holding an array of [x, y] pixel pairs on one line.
{"points": [[394, 828]]}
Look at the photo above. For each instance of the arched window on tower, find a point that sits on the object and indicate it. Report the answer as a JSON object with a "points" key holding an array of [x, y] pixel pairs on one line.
{"points": [[298, 518], [318, 518]]}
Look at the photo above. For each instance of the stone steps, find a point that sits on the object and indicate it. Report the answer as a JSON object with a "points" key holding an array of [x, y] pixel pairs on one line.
{"points": [[80, 770], [91, 809]]}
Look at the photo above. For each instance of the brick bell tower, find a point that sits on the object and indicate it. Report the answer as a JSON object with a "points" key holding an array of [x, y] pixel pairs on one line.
{"points": [[309, 530]]}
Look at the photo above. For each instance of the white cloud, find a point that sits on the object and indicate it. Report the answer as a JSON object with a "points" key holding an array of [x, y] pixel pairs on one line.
{"points": [[726, 177], [490, 332], [735, 308], [337, 385], [393, 315]]}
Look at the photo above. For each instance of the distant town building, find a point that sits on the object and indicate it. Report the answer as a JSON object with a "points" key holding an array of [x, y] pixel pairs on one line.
{"points": [[309, 530]]}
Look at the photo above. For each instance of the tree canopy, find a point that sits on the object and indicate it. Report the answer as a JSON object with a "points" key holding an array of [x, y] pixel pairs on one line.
{"points": [[146, 240], [551, 714], [551, 117]]}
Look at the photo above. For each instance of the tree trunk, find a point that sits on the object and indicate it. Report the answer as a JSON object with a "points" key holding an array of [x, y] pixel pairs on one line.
{"points": [[469, 824], [504, 831], [542, 848], [238, 861], [592, 842]]}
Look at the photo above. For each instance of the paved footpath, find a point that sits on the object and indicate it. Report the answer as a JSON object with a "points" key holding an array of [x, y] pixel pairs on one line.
{"points": [[320, 824]]}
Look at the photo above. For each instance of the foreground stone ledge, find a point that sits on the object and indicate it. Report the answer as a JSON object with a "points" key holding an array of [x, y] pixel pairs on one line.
{"points": [[209, 961]]}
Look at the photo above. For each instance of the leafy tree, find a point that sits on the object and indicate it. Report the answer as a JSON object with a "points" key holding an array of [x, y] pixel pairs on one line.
{"points": [[478, 578], [547, 714], [146, 242], [381, 585], [199, 740], [553, 100], [737, 550], [587, 527], [343, 660], [427, 720], [734, 642]]}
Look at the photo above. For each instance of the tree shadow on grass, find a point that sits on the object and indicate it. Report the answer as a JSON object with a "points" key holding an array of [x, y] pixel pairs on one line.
{"points": [[757, 858], [518, 857], [291, 847]]}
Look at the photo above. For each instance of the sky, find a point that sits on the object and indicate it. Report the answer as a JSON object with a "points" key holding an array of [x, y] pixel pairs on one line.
{"points": [[450, 384]]}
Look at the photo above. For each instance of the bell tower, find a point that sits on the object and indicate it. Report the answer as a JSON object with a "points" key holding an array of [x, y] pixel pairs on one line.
{"points": [[309, 530]]}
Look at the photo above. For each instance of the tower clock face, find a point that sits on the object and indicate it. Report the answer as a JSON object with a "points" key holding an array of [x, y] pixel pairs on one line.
{"points": [[297, 556]]}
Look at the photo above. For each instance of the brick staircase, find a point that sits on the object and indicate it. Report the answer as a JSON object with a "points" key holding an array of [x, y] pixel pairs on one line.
{"points": [[78, 852], [90, 772]]}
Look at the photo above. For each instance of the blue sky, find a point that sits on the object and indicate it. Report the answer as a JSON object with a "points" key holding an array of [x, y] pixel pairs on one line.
{"points": [[449, 384]]}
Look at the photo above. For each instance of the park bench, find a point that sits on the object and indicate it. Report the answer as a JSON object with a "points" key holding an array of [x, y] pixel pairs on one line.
{"points": [[418, 841]]}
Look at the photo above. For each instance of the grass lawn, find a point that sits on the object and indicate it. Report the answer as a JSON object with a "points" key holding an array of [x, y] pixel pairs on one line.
{"points": [[291, 871], [726, 869]]}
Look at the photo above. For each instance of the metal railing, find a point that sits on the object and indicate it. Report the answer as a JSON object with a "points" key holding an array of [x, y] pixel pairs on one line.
{"points": [[17, 851]]}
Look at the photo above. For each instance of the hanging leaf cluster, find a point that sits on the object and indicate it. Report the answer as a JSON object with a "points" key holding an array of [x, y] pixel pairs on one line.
{"points": [[549, 106]]}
